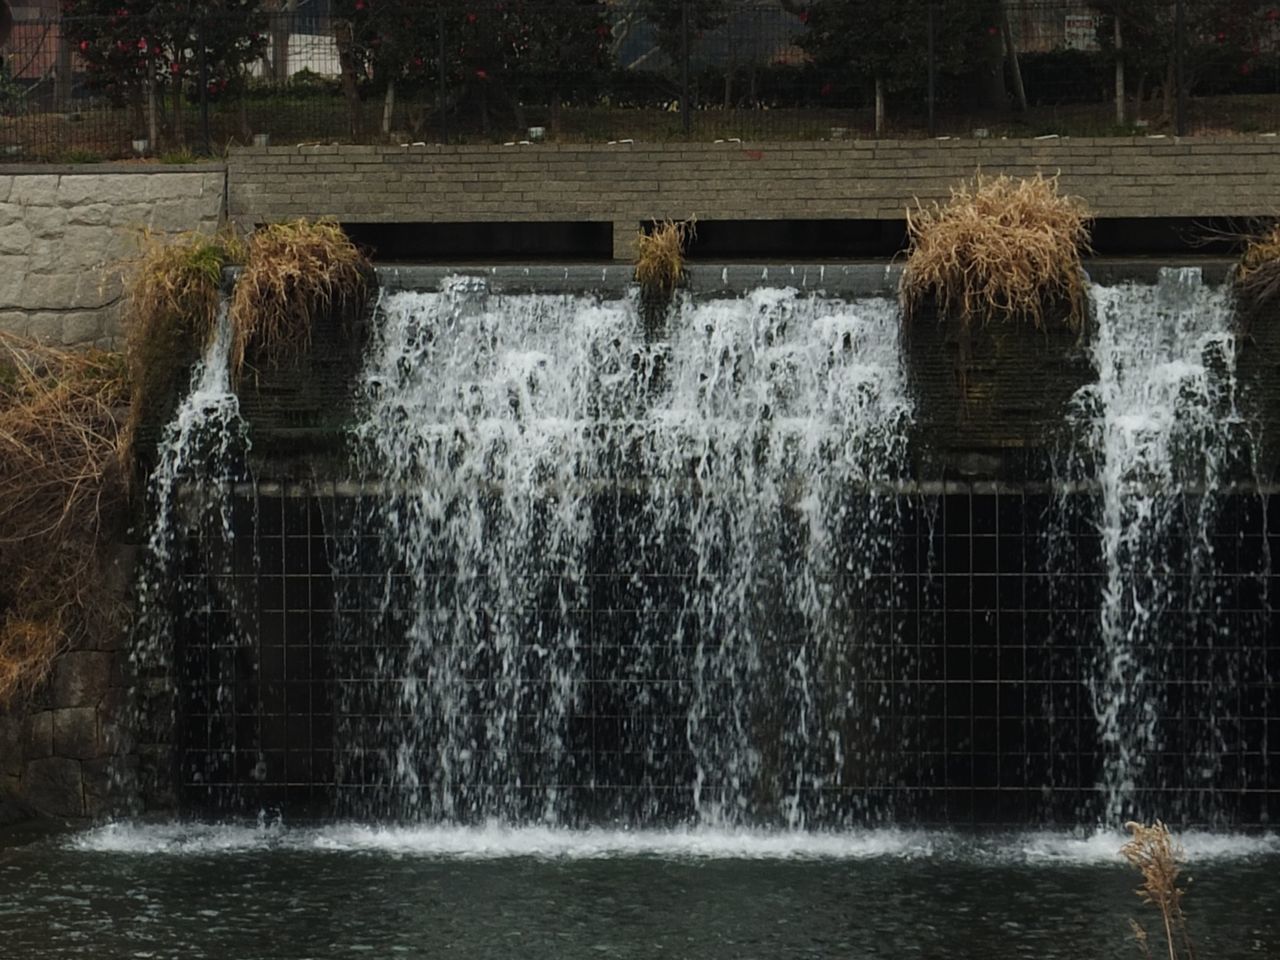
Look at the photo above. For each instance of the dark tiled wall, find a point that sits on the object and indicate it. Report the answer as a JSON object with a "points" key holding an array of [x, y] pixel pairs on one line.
{"points": [[976, 638]]}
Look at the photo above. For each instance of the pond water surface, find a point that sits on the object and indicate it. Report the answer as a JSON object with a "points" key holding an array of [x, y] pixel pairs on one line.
{"points": [[259, 892]]}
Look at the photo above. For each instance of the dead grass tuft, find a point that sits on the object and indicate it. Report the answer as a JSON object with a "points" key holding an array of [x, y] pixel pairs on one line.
{"points": [[172, 293], [1257, 278], [62, 482], [294, 274], [999, 249], [660, 257], [1154, 852]]}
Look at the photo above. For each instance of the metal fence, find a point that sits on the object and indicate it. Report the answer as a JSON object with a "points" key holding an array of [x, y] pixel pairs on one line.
{"points": [[146, 81]]}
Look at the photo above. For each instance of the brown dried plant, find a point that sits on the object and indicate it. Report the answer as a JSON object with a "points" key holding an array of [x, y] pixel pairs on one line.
{"points": [[1257, 278], [999, 249], [173, 291], [62, 483], [660, 256], [294, 274], [1153, 851]]}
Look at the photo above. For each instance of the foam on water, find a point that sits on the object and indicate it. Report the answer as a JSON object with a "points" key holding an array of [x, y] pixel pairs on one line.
{"points": [[498, 842]]}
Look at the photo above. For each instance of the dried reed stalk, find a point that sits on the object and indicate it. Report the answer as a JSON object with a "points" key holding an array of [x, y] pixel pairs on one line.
{"points": [[294, 274], [660, 257], [999, 249], [1154, 852], [62, 481], [1257, 278]]}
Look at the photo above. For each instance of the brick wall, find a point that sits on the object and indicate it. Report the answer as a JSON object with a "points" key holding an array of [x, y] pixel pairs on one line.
{"points": [[626, 183]]}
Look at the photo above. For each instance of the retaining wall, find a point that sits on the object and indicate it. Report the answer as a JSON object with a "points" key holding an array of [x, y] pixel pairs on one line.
{"points": [[64, 230], [626, 183]]}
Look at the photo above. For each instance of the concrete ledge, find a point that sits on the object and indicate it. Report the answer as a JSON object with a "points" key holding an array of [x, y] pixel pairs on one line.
{"points": [[870, 279], [97, 169]]}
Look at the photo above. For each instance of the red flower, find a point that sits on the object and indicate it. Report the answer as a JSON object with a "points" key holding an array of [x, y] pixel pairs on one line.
{"points": [[84, 44], [482, 74], [472, 18]]}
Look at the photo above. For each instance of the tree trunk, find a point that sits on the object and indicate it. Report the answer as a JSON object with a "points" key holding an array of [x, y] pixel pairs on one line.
{"points": [[1011, 53], [388, 108], [179, 118], [1120, 113], [345, 42], [557, 115], [1169, 92], [879, 106], [62, 76]]}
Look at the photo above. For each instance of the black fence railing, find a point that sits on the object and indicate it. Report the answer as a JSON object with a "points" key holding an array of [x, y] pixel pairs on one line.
{"points": [[146, 80]]}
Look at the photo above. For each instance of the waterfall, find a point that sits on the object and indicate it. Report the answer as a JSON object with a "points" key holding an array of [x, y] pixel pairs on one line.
{"points": [[198, 456], [1163, 437], [620, 560]]}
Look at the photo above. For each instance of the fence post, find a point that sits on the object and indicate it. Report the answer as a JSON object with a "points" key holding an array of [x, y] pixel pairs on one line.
{"points": [[1179, 65], [443, 83], [933, 72], [686, 114]]}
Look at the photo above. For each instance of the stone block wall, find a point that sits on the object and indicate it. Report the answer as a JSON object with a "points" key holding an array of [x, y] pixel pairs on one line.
{"points": [[626, 183], [60, 747], [64, 230]]}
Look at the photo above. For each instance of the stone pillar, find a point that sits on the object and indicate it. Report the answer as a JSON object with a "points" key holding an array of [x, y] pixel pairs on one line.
{"points": [[624, 240]]}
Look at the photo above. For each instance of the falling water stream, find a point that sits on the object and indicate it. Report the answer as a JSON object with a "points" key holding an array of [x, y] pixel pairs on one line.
{"points": [[548, 458], [1164, 439]]}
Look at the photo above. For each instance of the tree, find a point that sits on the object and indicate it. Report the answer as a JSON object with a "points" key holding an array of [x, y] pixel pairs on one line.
{"points": [[882, 43], [130, 48], [668, 17], [495, 52], [1224, 39]]}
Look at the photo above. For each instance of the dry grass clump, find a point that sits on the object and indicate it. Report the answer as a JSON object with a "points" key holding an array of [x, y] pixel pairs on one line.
{"points": [[1154, 852], [62, 482], [999, 249], [660, 257], [1257, 278], [172, 295], [294, 274]]}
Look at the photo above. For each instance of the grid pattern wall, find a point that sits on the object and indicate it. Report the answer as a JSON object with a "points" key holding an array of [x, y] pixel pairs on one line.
{"points": [[978, 645]]}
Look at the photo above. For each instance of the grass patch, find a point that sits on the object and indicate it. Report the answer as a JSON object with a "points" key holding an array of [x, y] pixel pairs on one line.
{"points": [[62, 483], [1152, 851], [1000, 249], [172, 295], [81, 155], [1257, 278], [660, 257], [295, 273], [180, 157]]}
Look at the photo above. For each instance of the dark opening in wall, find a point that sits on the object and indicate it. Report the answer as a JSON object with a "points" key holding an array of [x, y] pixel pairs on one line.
{"points": [[560, 240], [1217, 236], [792, 240]]}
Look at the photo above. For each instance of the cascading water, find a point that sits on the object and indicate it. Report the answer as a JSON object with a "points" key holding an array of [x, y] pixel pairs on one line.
{"points": [[1164, 441], [620, 560], [200, 453]]}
